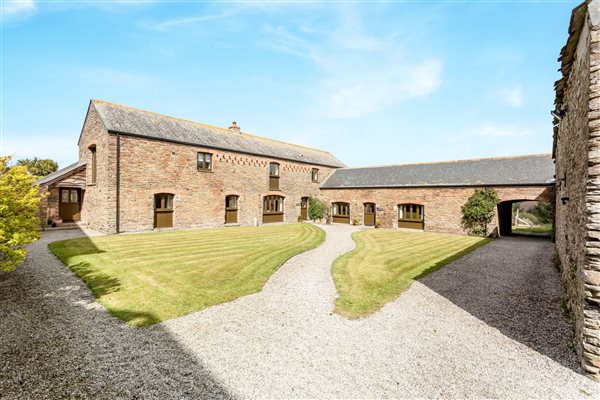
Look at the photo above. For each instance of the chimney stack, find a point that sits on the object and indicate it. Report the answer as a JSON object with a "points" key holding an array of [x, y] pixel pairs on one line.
{"points": [[234, 127]]}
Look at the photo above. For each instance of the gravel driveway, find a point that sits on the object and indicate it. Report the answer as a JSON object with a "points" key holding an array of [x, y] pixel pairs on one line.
{"points": [[453, 334]]}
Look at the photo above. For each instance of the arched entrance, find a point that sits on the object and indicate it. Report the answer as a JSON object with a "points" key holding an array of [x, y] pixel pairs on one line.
{"points": [[523, 216]]}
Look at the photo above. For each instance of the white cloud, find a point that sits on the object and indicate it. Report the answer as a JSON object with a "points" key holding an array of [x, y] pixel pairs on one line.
{"points": [[361, 94], [512, 96], [360, 74], [14, 9], [497, 130]]}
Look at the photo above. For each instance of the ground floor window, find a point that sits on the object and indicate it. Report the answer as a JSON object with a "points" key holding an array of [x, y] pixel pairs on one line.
{"points": [[341, 212], [273, 209], [411, 216]]}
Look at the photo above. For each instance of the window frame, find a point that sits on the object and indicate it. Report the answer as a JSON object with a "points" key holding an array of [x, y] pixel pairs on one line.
{"points": [[227, 201], [274, 178], [314, 175], [273, 204], [340, 206], [94, 164], [403, 215], [163, 201], [202, 164]]}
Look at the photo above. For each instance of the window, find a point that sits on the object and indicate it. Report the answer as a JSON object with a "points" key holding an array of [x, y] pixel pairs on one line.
{"points": [[273, 205], [341, 209], [163, 201], [315, 174], [231, 202], [411, 212], [93, 163], [273, 176], [274, 169], [69, 196], [204, 162]]}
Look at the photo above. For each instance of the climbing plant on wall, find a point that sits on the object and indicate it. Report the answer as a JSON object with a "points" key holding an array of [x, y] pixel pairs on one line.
{"points": [[479, 211]]}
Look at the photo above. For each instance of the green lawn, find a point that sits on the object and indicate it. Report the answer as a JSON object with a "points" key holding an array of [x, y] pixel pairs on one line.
{"points": [[385, 263], [148, 278], [546, 228]]}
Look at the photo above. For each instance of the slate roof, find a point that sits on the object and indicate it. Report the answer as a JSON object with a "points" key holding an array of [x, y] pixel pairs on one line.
{"points": [[60, 173], [521, 170], [131, 121]]}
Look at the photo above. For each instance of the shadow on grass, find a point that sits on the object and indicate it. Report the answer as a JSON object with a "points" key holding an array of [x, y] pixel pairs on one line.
{"points": [[511, 286], [82, 352], [451, 259]]}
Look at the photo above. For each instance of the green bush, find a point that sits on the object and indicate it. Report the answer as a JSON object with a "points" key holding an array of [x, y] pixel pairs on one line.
{"points": [[318, 209], [479, 211]]}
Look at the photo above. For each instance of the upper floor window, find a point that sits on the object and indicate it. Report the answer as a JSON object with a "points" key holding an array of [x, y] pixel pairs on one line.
{"points": [[273, 176], [93, 163], [274, 169], [204, 161], [315, 174]]}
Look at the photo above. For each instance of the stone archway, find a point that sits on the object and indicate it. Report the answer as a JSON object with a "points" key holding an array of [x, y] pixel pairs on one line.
{"points": [[509, 196]]}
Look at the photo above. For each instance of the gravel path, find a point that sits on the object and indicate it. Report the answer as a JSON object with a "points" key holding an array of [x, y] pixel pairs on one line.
{"points": [[57, 343], [461, 332], [284, 341]]}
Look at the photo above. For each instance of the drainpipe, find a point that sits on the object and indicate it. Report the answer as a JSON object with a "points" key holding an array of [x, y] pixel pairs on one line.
{"points": [[118, 210]]}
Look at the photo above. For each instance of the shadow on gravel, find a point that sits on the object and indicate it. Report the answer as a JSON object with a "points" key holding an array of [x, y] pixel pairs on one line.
{"points": [[511, 285], [58, 343]]}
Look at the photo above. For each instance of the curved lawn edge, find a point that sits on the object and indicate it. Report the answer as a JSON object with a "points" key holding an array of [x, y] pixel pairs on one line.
{"points": [[377, 272], [138, 282]]}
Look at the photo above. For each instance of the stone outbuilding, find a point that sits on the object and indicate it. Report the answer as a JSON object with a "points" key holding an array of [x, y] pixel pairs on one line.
{"points": [[576, 152]]}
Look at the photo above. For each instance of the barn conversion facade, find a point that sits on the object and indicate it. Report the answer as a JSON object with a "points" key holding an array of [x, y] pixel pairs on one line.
{"points": [[139, 171]]}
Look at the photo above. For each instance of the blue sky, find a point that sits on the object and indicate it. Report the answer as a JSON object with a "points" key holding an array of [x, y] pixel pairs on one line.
{"points": [[373, 82]]}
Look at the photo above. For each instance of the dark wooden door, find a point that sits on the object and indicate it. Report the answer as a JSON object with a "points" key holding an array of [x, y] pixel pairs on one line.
{"points": [[231, 209], [369, 214], [304, 208], [69, 208], [163, 210]]}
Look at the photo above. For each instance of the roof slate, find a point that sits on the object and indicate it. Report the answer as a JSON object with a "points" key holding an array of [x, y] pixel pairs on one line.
{"points": [[132, 121], [522, 170], [60, 173]]}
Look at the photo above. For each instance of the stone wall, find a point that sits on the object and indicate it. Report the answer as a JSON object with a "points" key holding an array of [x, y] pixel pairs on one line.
{"points": [[98, 208], [442, 204], [577, 157], [49, 204]]}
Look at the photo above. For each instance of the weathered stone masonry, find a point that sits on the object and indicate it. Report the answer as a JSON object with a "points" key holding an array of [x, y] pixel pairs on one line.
{"points": [[577, 158]]}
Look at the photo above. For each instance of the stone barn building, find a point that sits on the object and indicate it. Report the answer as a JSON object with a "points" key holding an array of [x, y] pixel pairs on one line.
{"points": [[577, 156], [429, 196], [139, 171]]}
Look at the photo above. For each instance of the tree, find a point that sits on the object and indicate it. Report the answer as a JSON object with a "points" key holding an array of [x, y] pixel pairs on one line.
{"points": [[318, 209], [479, 211], [544, 212], [39, 167], [19, 203]]}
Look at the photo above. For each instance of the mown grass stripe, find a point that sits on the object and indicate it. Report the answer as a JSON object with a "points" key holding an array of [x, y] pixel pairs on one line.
{"points": [[385, 262], [147, 278]]}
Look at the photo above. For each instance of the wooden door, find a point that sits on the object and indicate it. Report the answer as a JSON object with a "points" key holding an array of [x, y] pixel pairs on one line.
{"points": [[231, 209], [70, 204], [163, 210], [304, 208], [369, 214]]}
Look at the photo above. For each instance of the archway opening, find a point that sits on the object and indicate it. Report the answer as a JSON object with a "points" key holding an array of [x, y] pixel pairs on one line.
{"points": [[525, 217]]}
